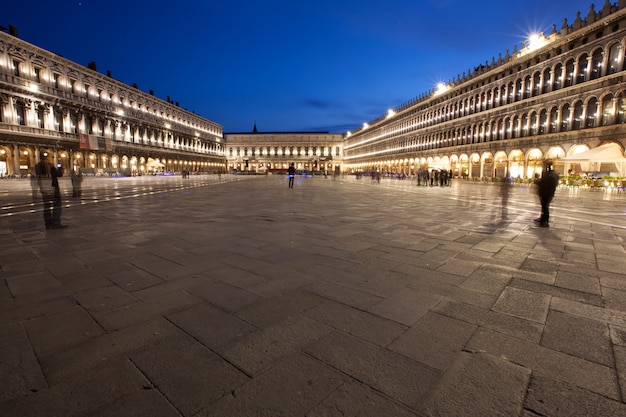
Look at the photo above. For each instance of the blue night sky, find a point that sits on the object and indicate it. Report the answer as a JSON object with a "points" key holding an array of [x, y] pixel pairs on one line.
{"points": [[323, 65]]}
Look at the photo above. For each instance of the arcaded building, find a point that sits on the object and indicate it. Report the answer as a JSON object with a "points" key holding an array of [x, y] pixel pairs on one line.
{"points": [[89, 122], [266, 152], [557, 95]]}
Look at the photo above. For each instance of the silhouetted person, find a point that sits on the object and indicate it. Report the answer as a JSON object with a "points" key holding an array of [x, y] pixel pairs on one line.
{"points": [[546, 187], [48, 181], [291, 173]]}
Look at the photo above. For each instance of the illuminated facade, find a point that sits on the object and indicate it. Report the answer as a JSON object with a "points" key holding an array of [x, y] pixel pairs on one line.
{"points": [[268, 152], [90, 122], [556, 96]]}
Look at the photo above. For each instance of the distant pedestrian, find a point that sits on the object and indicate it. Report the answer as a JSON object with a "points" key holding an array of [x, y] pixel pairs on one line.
{"points": [[77, 183], [291, 173], [546, 187]]}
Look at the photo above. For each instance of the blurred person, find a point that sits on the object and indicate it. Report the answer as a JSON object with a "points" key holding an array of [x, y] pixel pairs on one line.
{"points": [[546, 187], [48, 182]]}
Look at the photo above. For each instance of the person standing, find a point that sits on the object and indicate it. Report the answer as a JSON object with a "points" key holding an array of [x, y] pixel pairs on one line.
{"points": [[291, 173], [48, 181], [546, 187]]}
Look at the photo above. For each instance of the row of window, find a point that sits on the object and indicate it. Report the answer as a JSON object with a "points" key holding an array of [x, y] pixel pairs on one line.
{"points": [[83, 89], [285, 150], [96, 125], [573, 71], [569, 117]]}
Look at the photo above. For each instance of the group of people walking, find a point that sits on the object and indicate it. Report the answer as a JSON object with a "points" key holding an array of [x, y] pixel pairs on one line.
{"points": [[432, 177]]}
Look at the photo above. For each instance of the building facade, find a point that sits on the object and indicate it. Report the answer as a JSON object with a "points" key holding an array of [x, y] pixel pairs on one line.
{"points": [[275, 151], [558, 95], [54, 108]]}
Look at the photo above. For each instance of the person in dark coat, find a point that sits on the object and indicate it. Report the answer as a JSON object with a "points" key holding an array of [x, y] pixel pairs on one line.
{"points": [[546, 187], [291, 173]]}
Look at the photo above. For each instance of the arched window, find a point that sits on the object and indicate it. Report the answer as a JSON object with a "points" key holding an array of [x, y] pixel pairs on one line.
{"points": [[532, 124], [607, 110], [566, 117], [524, 131], [527, 86], [536, 84], [518, 89], [515, 127], [621, 108], [553, 120], [592, 112], [583, 67], [614, 59], [506, 128], [569, 73], [578, 115], [558, 77], [596, 64], [543, 121], [546, 80]]}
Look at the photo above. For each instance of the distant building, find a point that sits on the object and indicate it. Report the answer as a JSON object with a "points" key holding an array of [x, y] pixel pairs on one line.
{"points": [[90, 122], [558, 95], [266, 152]]}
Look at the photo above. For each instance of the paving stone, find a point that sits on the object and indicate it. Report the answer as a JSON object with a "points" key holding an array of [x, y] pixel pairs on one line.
{"points": [[541, 360], [434, 340], [343, 294], [105, 349], [356, 400], [258, 351], [211, 326], [505, 323], [61, 330], [143, 311], [486, 385], [578, 282], [267, 312], [280, 283], [578, 336], [615, 299], [144, 402], [460, 267], [20, 373], [223, 295], [406, 306], [620, 367], [614, 263], [193, 381], [549, 397], [79, 395], [30, 283], [523, 304], [358, 323], [605, 315], [133, 279], [290, 388], [396, 376], [486, 281], [104, 298]]}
